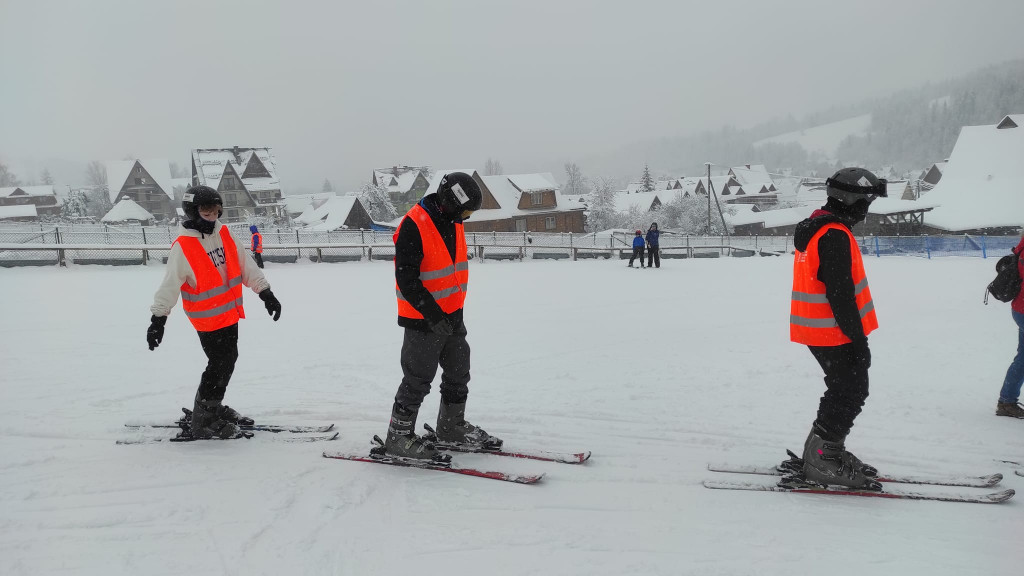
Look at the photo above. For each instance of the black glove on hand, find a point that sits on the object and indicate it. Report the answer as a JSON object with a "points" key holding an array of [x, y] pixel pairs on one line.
{"points": [[273, 306], [442, 327], [155, 334]]}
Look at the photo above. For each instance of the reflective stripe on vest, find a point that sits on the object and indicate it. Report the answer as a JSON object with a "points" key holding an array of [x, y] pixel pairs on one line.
{"points": [[811, 320], [447, 281], [212, 304], [257, 243]]}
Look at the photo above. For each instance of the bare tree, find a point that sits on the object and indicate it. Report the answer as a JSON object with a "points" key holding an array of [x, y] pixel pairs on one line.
{"points": [[7, 178], [601, 214], [46, 177], [96, 173], [177, 171], [493, 167], [575, 183]]}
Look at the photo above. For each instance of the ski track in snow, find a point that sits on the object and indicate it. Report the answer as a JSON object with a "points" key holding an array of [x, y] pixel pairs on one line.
{"points": [[657, 373]]}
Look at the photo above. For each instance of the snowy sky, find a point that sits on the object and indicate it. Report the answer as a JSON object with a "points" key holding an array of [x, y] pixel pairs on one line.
{"points": [[339, 88]]}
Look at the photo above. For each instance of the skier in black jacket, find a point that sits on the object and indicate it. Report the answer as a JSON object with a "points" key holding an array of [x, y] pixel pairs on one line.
{"points": [[432, 276], [832, 314]]}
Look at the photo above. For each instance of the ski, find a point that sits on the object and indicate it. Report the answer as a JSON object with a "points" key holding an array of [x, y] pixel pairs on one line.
{"points": [[542, 455], [245, 434], [272, 428], [988, 498], [959, 481], [444, 463]]}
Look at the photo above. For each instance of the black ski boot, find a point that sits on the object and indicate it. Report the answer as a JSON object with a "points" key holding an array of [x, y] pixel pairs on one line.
{"points": [[208, 422], [452, 428], [402, 441], [867, 469], [829, 464]]}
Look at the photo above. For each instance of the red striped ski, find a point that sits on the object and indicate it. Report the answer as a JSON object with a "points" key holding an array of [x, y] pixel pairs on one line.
{"points": [[438, 466]]}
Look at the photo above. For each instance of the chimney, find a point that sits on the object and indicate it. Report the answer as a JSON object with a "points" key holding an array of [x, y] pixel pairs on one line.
{"points": [[394, 170], [238, 157]]}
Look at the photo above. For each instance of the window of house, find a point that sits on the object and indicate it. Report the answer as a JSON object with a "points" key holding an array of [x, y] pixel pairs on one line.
{"points": [[231, 213], [138, 181], [229, 198], [549, 223], [537, 198], [521, 225]]}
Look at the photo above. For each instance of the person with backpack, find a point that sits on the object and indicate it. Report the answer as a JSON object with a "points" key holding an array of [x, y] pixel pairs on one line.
{"points": [[638, 249], [257, 245], [1010, 393]]}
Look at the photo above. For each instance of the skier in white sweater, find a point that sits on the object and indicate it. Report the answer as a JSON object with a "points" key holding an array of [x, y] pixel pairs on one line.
{"points": [[207, 269]]}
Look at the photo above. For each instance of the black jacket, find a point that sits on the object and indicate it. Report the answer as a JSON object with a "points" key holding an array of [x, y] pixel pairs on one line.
{"points": [[834, 269], [409, 256]]}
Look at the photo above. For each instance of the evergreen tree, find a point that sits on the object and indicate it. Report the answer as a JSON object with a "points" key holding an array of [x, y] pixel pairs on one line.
{"points": [[46, 177], [7, 178], [646, 182], [327, 187]]}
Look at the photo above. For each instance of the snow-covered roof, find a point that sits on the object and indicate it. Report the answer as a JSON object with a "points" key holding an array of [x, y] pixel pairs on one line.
{"points": [[127, 209], [741, 214], [642, 200], [299, 203], [752, 177], [533, 182], [895, 205], [19, 211], [119, 171], [400, 179], [328, 216], [45, 190], [211, 163], [982, 185]]}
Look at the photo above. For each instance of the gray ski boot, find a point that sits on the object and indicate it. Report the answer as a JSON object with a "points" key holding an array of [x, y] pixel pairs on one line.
{"points": [[867, 469], [402, 441], [452, 428], [829, 463], [208, 421]]}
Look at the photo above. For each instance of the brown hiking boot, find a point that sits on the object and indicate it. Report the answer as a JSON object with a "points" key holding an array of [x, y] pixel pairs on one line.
{"points": [[1011, 409]]}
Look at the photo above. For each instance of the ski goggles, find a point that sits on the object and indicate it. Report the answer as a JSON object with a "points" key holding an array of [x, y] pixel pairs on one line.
{"points": [[466, 214], [851, 193]]}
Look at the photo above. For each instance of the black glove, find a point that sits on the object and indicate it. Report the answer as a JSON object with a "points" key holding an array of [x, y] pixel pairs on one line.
{"points": [[273, 306], [155, 334], [442, 327], [860, 353]]}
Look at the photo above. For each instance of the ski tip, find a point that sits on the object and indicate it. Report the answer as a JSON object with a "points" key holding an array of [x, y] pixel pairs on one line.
{"points": [[992, 479], [1003, 496], [583, 457]]}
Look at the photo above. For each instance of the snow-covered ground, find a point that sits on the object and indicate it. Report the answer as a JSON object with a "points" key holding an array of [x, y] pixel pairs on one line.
{"points": [[824, 139], [658, 372]]}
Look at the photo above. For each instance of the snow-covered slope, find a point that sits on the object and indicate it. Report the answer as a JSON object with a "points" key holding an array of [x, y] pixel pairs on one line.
{"points": [[824, 139], [658, 372]]}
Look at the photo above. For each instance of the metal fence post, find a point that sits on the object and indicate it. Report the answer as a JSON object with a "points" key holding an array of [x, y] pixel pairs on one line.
{"points": [[877, 253], [299, 250], [984, 252], [927, 248]]}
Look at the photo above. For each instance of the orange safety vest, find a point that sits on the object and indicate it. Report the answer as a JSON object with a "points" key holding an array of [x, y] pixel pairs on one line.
{"points": [[446, 281], [212, 304], [257, 243], [811, 321]]}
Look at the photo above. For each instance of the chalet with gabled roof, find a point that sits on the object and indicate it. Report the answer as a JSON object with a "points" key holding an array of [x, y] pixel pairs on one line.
{"points": [[147, 182], [405, 184], [245, 177], [519, 203], [42, 199]]}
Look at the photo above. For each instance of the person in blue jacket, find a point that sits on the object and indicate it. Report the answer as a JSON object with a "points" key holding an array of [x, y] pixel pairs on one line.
{"points": [[638, 249], [653, 257]]}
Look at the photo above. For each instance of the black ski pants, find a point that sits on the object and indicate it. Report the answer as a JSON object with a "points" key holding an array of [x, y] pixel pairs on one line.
{"points": [[422, 353], [846, 386], [637, 253], [259, 259], [653, 257], [221, 348]]}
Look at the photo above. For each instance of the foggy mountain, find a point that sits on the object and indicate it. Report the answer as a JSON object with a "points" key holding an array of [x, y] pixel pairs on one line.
{"points": [[908, 130]]}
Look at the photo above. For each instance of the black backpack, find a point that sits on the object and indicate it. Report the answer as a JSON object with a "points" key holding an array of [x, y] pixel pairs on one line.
{"points": [[1007, 284]]}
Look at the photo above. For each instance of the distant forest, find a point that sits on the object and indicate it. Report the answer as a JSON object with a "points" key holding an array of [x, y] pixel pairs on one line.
{"points": [[909, 130]]}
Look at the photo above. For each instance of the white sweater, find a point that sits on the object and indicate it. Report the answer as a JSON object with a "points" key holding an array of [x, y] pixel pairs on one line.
{"points": [[179, 271]]}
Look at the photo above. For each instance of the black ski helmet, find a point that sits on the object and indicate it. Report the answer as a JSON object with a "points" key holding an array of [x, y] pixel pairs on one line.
{"points": [[850, 185], [458, 193], [197, 196]]}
